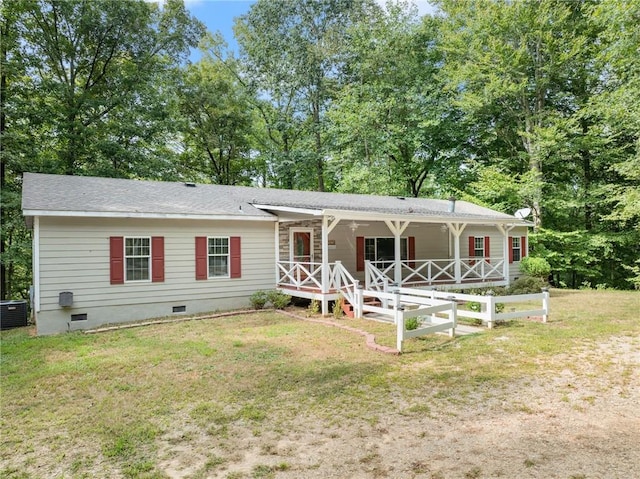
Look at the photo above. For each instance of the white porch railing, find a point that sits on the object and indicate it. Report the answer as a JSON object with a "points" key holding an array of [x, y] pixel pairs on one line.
{"points": [[482, 269], [308, 276], [341, 280], [380, 274], [300, 275]]}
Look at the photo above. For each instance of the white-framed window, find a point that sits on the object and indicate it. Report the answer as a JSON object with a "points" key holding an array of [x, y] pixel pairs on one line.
{"points": [[218, 256], [383, 249], [478, 247], [516, 247], [137, 258]]}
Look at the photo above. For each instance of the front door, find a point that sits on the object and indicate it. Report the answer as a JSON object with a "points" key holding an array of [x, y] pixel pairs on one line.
{"points": [[302, 246], [301, 252]]}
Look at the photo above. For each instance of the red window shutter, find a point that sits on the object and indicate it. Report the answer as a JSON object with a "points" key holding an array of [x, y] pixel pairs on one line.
{"points": [[116, 259], [487, 248], [510, 249], [201, 258], [235, 256], [412, 251], [360, 253], [523, 246], [472, 247], [157, 259]]}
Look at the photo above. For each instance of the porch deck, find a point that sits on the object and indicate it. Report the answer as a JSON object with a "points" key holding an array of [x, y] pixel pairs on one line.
{"points": [[309, 280]]}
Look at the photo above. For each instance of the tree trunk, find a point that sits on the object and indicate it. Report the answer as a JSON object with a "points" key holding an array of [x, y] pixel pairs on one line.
{"points": [[4, 286]]}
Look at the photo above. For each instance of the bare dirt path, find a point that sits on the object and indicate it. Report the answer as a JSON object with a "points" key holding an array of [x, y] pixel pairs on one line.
{"points": [[579, 424]]}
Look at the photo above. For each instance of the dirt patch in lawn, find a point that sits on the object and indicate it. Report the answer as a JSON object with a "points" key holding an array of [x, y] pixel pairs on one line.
{"points": [[575, 424]]}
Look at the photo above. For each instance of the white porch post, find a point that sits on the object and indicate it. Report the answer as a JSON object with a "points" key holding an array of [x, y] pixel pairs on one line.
{"points": [[325, 278], [397, 228], [504, 229], [456, 229], [325, 265]]}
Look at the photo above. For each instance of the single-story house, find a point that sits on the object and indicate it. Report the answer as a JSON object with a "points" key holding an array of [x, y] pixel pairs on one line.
{"points": [[111, 250]]}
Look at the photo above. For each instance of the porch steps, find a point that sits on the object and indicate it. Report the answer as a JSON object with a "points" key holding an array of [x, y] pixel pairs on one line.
{"points": [[347, 307]]}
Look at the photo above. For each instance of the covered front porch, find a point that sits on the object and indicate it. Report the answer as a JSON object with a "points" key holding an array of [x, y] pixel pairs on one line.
{"points": [[330, 253]]}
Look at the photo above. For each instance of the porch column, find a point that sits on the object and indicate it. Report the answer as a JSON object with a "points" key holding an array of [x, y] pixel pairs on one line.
{"points": [[326, 277], [397, 228], [325, 265], [504, 229], [456, 229]]}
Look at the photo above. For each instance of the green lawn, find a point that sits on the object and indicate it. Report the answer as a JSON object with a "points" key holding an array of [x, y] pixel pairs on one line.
{"points": [[78, 405]]}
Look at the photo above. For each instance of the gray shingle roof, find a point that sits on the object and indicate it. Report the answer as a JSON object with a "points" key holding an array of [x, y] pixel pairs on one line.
{"points": [[58, 193]]}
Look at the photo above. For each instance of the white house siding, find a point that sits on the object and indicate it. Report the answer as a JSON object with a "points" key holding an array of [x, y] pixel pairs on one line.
{"points": [[495, 244], [74, 257]]}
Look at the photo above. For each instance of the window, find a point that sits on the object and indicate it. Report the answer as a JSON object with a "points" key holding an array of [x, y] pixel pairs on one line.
{"points": [[516, 249], [478, 247], [218, 257], [137, 255], [383, 249]]}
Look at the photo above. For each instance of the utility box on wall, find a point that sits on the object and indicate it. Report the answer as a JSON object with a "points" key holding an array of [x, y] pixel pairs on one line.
{"points": [[13, 314], [65, 299]]}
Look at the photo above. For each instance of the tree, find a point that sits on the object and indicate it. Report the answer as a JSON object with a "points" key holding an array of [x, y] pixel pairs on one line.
{"points": [[85, 90], [290, 53], [510, 61], [91, 66], [618, 107], [218, 120], [392, 111]]}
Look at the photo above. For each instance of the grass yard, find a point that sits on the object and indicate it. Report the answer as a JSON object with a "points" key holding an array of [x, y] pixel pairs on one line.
{"points": [[269, 396]]}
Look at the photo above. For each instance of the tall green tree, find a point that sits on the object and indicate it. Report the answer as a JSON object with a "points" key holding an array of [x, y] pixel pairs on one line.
{"points": [[617, 106], [510, 62], [86, 90], [393, 111], [95, 78], [218, 120], [290, 53]]}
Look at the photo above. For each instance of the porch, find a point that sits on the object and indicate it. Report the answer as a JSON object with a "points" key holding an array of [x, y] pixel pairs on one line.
{"points": [[305, 279], [321, 254]]}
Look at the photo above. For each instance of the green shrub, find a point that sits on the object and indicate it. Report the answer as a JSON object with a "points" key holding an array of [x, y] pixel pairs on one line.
{"points": [[536, 267], [258, 299], [527, 285], [411, 324], [474, 306], [337, 308], [495, 290], [477, 307], [314, 306], [279, 299]]}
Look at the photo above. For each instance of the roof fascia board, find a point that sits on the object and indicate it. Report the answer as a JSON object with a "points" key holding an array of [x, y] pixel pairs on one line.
{"points": [[373, 216], [288, 209], [119, 214]]}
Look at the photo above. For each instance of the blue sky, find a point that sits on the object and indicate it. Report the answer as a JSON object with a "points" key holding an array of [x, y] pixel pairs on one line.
{"points": [[219, 15]]}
